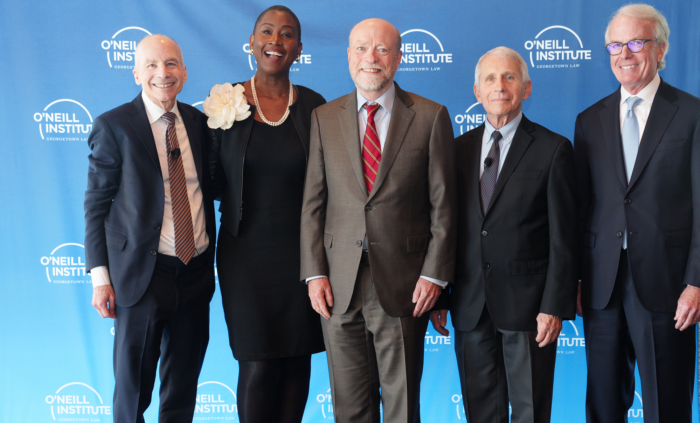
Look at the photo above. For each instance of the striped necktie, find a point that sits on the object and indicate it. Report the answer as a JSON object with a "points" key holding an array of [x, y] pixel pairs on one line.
{"points": [[182, 216], [371, 148]]}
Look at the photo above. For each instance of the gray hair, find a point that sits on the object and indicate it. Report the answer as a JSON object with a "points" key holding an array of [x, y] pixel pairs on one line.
{"points": [[507, 53], [645, 11]]}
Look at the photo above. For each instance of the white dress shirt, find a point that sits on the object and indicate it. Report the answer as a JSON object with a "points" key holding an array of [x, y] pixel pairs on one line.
{"points": [[381, 124], [507, 132], [100, 274], [643, 108]]}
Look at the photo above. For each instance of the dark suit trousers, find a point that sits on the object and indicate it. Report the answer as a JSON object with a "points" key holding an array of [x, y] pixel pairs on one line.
{"points": [[624, 331], [367, 350], [497, 366], [170, 322]]}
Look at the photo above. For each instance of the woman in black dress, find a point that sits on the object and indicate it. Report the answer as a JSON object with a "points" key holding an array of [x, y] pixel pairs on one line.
{"points": [[258, 166]]}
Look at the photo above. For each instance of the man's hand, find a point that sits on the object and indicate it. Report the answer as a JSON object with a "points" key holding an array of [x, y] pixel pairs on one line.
{"points": [[548, 328], [425, 296], [439, 320], [579, 307], [321, 296], [103, 301], [688, 310]]}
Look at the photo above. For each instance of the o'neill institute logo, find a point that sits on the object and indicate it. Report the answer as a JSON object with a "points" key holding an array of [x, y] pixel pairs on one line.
{"points": [[459, 407], [77, 401], [422, 51], [121, 48], [326, 404], [66, 264], [474, 116], [215, 401], [304, 59], [568, 344], [557, 47], [64, 120]]}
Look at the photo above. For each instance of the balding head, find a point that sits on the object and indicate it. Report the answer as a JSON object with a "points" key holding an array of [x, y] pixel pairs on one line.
{"points": [[377, 23], [156, 39], [159, 70]]}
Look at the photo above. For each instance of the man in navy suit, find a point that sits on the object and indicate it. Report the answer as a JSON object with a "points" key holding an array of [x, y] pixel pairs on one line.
{"points": [[638, 164], [150, 237]]}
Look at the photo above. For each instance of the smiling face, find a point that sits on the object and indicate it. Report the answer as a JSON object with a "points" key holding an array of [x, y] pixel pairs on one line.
{"points": [[275, 43], [501, 89], [635, 70], [373, 56], [159, 70]]}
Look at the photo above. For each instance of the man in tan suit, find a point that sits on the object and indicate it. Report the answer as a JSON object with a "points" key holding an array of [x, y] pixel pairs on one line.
{"points": [[378, 233]]}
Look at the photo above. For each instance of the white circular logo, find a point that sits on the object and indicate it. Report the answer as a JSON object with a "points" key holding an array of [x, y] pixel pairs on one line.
{"points": [[66, 265], [215, 401], [474, 116], [121, 48], [76, 399], [569, 344], [422, 51], [64, 120], [557, 47]]}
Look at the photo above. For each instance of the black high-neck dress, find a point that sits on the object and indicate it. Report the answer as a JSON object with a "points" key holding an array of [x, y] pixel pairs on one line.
{"points": [[267, 308]]}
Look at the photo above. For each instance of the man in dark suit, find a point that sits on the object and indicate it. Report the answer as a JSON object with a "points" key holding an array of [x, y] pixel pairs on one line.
{"points": [[377, 240], [516, 250], [150, 237], [638, 166]]}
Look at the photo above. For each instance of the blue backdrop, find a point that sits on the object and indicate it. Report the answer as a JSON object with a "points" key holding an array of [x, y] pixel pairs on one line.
{"points": [[62, 63]]}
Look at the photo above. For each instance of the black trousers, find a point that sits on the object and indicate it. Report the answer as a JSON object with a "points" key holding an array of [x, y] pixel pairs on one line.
{"points": [[625, 332], [170, 322], [499, 366]]}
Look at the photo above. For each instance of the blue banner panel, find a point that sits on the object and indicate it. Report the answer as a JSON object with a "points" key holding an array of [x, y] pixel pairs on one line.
{"points": [[66, 62]]}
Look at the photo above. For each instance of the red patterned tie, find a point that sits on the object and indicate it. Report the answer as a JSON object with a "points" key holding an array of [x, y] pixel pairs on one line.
{"points": [[371, 148], [182, 216]]}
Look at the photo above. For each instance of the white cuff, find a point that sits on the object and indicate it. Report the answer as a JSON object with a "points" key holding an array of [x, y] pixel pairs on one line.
{"points": [[441, 284], [100, 276], [315, 277]]}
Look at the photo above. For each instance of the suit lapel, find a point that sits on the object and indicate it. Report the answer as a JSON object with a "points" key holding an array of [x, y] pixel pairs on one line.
{"points": [[661, 114], [191, 122], [142, 127], [610, 122], [347, 118], [401, 118], [521, 140]]}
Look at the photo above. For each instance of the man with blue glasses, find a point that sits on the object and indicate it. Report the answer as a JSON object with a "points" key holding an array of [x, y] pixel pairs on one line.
{"points": [[638, 164]]}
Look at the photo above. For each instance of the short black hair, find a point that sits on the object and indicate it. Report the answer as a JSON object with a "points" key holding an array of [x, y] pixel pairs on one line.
{"points": [[284, 9]]}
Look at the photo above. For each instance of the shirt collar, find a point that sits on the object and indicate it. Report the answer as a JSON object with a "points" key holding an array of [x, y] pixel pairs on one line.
{"points": [[154, 111], [386, 100], [647, 93], [507, 131]]}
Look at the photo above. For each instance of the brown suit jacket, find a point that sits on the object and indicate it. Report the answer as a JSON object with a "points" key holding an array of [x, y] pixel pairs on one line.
{"points": [[409, 217]]}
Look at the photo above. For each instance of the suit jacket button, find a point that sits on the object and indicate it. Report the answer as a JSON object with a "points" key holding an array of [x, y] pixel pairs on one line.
{"points": [[154, 252], [484, 233], [359, 243], [628, 201], [487, 266], [619, 234], [156, 226], [368, 207]]}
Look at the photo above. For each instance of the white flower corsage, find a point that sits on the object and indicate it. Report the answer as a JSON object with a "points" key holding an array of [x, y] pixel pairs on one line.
{"points": [[225, 105]]}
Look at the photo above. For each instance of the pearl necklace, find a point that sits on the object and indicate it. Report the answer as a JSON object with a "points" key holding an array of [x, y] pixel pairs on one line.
{"points": [[257, 105]]}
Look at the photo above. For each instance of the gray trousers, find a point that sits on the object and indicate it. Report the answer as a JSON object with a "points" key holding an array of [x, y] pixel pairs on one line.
{"points": [[497, 366], [368, 350]]}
